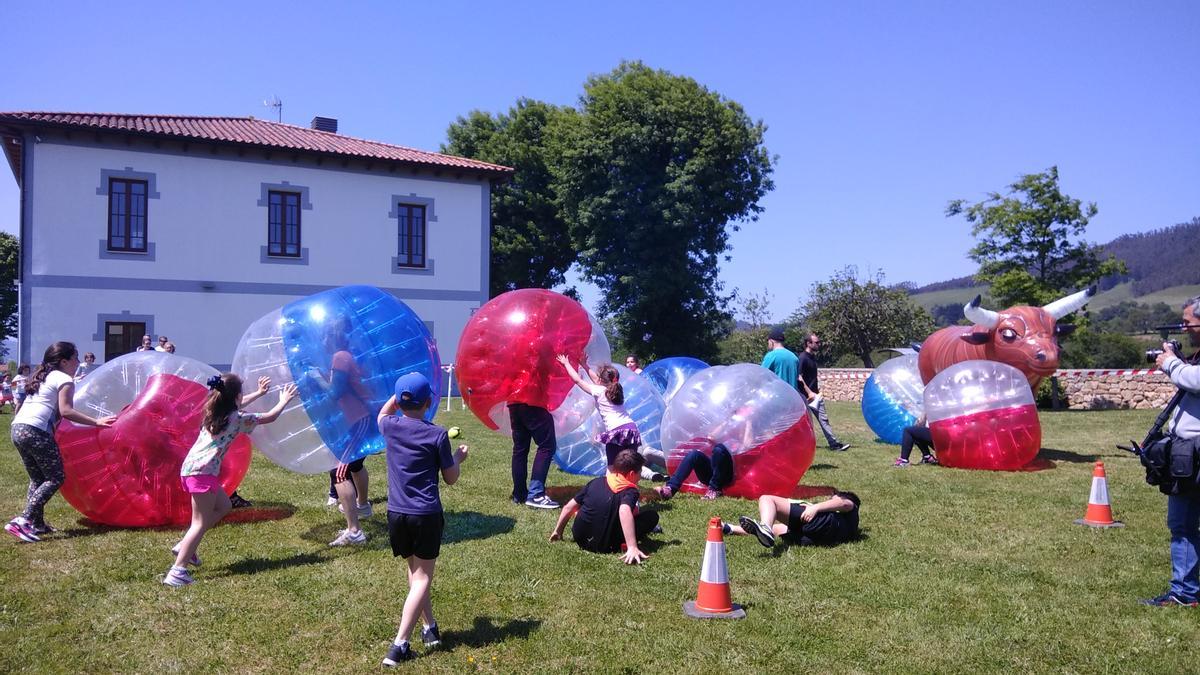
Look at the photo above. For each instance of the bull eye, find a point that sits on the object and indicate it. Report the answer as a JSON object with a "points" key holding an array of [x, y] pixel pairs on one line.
{"points": [[1008, 334]]}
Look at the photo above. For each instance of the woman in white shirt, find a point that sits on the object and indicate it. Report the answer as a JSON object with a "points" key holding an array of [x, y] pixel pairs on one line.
{"points": [[48, 398]]}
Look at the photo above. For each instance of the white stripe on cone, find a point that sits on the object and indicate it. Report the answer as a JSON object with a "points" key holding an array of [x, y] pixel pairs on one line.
{"points": [[1099, 491], [713, 570]]}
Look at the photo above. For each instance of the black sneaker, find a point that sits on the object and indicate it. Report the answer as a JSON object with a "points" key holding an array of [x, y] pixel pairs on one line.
{"points": [[764, 534], [1169, 600], [396, 654], [841, 448], [657, 477], [430, 636], [238, 501]]}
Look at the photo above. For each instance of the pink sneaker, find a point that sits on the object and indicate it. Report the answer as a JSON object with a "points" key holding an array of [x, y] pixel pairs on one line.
{"points": [[664, 491], [711, 494], [21, 529]]}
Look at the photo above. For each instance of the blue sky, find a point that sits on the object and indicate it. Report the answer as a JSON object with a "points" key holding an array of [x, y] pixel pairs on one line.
{"points": [[880, 112]]}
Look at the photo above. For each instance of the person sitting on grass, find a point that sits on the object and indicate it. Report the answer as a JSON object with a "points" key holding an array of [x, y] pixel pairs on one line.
{"points": [[608, 515], [920, 435], [417, 452], [833, 521], [715, 473]]}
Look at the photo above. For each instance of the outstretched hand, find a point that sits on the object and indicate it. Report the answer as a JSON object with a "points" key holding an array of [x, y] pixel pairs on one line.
{"points": [[633, 556], [288, 392], [264, 384], [106, 421], [566, 362]]}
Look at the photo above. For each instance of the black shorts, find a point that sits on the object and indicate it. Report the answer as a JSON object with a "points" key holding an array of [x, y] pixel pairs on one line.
{"points": [[416, 535], [795, 525]]}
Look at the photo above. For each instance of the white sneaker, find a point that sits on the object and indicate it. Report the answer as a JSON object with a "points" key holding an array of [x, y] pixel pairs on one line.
{"points": [[347, 538], [366, 510], [195, 559], [331, 501], [177, 577]]}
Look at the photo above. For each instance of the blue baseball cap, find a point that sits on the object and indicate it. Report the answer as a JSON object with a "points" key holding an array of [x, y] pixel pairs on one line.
{"points": [[412, 390]]}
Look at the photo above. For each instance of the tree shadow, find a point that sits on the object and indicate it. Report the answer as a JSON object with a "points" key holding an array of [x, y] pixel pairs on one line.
{"points": [[256, 565], [1065, 456], [810, 491], [485, 632], [470, 525], [264, 512], [563, 493], [822, 467]]}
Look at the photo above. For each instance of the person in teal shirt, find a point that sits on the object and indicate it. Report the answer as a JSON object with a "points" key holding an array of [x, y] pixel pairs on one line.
{"points": [[781, 360]]}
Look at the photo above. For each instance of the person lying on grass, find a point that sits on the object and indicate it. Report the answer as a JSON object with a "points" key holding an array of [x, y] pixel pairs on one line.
{"points": [[826, 523], [608, 515]]}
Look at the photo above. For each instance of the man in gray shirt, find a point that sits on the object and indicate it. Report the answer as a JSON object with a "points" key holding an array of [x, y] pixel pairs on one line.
{"points": [[1183, 510]]}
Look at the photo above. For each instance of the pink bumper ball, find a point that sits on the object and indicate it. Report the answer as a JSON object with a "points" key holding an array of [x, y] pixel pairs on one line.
{"points": [[982, 415], [128, 475], [507, 355], [759, 417]]}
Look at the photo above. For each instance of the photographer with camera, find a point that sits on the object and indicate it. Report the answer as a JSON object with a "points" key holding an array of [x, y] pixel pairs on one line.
{"points": [[1183, 493]]}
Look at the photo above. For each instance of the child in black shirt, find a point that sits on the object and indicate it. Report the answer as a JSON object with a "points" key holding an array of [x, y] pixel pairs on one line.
{"points": [[608, 514], [826, 523]]}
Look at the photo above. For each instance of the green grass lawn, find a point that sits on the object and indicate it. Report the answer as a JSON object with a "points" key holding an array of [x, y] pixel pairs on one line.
{"points": [[959, 571]]}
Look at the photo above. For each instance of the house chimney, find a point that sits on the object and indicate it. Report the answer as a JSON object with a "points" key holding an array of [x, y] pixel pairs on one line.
{"points": [[325, 124]]}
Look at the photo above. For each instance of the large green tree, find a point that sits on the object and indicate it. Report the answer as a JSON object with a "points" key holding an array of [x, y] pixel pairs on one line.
{"points": [[652, 177], [1029, 242], [530, 244], [10, 249], [853, 316]]}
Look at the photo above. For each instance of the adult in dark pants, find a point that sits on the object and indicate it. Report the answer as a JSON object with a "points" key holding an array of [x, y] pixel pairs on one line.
{"points": [[812, 391], [919, 435], [716, 473], [531, 423]]}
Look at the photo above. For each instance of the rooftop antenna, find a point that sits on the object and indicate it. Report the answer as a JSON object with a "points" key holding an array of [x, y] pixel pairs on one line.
{"points": [[275, 103]]}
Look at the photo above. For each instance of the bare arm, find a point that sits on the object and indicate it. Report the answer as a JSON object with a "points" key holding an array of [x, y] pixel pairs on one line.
{"points": [[632, 555], [450, 474], [286, 394], [833, 504], [563, 517], [264, 385], [571, 370], [66, 408], [388, 408]]}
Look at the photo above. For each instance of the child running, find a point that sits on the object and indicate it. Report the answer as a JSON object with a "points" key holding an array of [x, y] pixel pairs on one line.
{"points": [[417, 451], [223, 421], [620, 431], [608, 515], [49, 395]]}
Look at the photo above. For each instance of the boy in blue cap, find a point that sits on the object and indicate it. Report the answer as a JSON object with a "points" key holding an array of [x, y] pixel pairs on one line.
{"points": [[416, 452]]}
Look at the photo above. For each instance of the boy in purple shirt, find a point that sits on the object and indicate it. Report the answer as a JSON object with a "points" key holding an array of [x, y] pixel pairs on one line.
{"points": [[416, 452]]}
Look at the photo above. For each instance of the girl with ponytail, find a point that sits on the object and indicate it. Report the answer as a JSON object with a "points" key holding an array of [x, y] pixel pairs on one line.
{"points": [[620, 431], [223, 421], [49, 397]]}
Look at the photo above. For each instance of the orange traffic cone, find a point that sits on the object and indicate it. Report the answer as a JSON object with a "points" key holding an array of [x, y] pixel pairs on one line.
{"points": [[1099, 512], [713, 600]]}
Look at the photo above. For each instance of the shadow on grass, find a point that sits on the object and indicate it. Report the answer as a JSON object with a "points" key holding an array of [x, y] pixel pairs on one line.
{"points": [[485, 632], [469, 525], [1065, 456], [822, 467], [256, 565], [776, 551], [375, 528], [264, 512]]}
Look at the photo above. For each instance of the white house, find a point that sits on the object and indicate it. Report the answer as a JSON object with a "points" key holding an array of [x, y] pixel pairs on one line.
{"points": [[193, 227]]}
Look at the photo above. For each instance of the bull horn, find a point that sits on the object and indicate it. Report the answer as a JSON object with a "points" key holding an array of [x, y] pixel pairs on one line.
{"points": [[978, 315], [1064, 306]]}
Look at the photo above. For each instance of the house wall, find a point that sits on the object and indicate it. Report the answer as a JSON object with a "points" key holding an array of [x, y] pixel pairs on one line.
{"points": [[206, 275]]}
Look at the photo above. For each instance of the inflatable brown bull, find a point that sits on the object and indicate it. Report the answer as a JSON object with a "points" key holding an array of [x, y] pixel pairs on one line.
{"points": [[1023, 337]]}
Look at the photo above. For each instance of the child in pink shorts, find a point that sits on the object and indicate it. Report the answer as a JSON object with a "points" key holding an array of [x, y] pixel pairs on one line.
{"points": [[223, 421]]}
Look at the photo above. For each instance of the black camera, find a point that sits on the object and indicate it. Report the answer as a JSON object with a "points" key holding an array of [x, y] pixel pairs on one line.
{"points": [[1153, 354]]}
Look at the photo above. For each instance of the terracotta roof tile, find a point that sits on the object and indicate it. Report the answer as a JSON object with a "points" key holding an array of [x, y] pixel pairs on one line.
{"points": [[249, 131]]}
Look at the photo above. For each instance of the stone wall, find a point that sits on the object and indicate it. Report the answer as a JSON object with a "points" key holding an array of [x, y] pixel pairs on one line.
{"points": [[1082, 389]]}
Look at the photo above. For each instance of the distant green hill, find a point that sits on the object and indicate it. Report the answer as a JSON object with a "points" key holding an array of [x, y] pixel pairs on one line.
{"points": [[1161, 269]]}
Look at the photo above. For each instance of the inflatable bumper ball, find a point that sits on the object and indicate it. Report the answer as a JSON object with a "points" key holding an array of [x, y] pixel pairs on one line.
{"points": [[759, 417], [580, 451], [127, 475], [344, 349], [669, 374], [507, 351], [892, 398], [982, 416]]}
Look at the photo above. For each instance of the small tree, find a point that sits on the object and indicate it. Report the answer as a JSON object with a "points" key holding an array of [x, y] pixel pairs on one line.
{"points": [[859, 317], [1030, 245]]}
